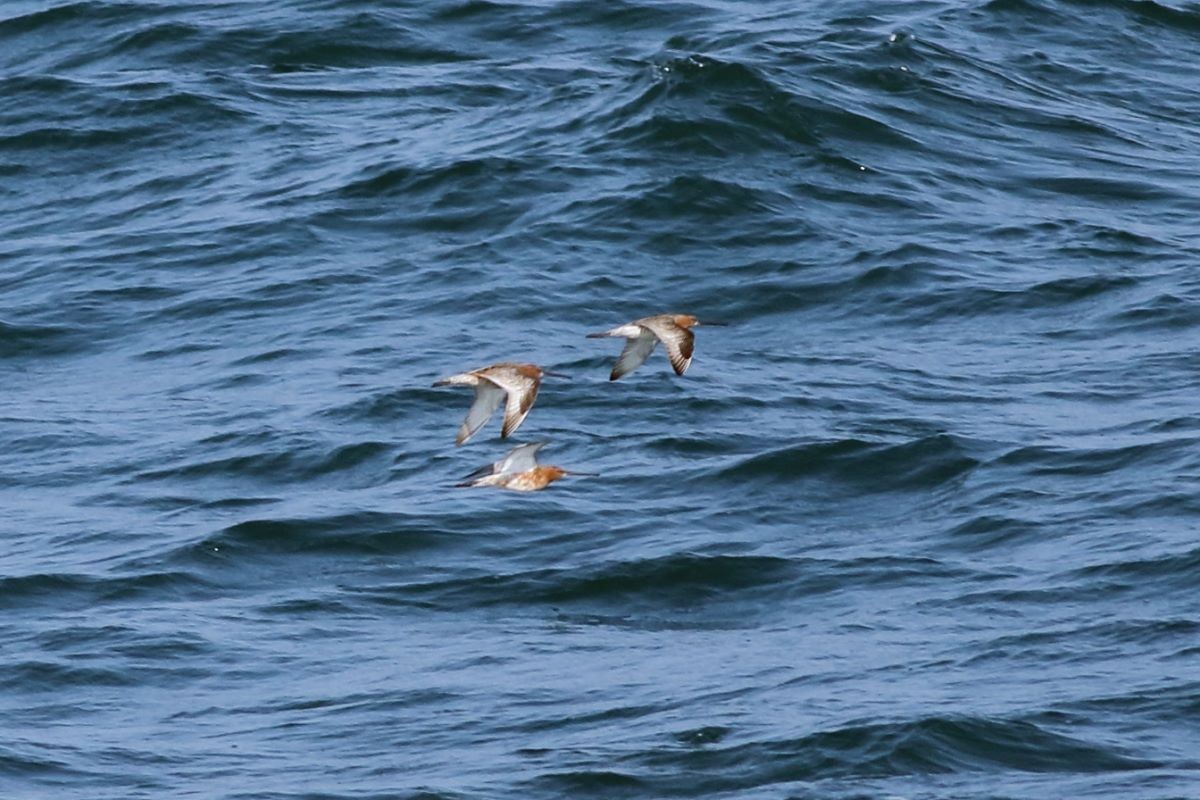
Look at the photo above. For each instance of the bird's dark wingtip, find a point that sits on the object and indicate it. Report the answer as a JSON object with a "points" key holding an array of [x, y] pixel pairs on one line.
{"points": [[479, 473]]}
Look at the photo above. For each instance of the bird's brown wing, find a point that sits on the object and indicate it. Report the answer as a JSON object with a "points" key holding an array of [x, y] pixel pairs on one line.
{"points": [[679, 342], [522, 391]]}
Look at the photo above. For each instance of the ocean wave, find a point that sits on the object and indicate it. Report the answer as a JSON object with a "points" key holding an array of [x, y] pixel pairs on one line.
{"points": [[19, 341], [686, 197], [69, 116], [1154, 573], [1143, 632], [922, 464], [935, 745], [167, 36], [677, 580], [32, 761], [711, 107], [1166, 312], [464, 175], [354, 533], [87, 590], [84, 14], [1085, 462], [673, 582], [353, 463], [1186, 19], [1170, 702], [914, 284], [993, 530]]}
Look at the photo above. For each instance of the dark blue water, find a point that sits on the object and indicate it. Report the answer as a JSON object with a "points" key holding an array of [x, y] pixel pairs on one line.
{"points": [[922, 522]]}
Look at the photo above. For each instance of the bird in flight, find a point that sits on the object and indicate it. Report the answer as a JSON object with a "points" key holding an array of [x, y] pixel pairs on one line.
{"points": [[518, 471], [516, 384], [641, 335]]}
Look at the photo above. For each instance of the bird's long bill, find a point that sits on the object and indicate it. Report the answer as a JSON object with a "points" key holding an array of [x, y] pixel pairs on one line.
{"points": [[709, 322], [573, 473], [554, 374], [600, 335]]}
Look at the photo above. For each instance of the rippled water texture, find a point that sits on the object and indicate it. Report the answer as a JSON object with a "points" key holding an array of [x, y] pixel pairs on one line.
{"points": [[921, 522]]}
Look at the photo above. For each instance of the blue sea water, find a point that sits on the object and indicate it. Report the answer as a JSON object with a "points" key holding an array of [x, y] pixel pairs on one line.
{"points": [[921, 522]]}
